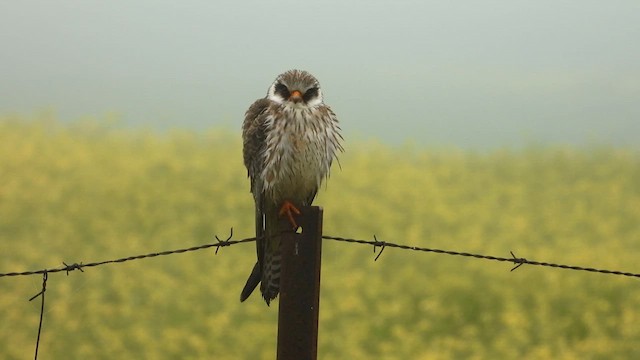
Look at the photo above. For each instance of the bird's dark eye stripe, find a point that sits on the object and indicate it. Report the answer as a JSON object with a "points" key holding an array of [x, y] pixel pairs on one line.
{"points": [[310, 94], [282, 90]]}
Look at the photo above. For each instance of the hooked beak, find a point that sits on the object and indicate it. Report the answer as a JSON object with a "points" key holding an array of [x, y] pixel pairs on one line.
{"points": [[296, 96]]}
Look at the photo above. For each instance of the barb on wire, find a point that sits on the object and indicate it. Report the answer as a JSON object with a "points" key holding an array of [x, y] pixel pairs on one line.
{"points": [[74, 266], [513, 259], [224, 242], [45, 276], [518, 261], [376, 244]]}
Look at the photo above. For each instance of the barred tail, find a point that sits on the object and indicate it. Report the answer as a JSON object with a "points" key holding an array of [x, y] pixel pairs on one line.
{"points": [[266, 271], [272, 258]]}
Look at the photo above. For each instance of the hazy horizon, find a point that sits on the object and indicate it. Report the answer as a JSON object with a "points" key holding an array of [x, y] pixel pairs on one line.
{"points": [[463, 74]]}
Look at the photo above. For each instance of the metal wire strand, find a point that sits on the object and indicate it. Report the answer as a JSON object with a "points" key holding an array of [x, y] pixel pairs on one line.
{"points": [[513, 259]]}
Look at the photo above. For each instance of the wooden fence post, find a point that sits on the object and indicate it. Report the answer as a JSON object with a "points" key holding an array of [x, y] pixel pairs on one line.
{"points": [[300, 288]]}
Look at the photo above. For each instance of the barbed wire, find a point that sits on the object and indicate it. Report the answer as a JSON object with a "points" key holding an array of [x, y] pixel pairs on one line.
{"points": [[513, 259], [517, 262], [79, 266]]}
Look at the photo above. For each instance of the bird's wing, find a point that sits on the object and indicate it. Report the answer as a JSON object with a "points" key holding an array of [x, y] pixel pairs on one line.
{"points": [[254, 142], [254, 139]]}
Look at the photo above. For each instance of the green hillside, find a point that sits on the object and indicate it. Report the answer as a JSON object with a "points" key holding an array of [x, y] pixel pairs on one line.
{"points": [[91, 191]]}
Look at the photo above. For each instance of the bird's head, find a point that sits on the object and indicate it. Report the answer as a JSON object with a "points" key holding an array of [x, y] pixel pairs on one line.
{"points": [[296, 88]]}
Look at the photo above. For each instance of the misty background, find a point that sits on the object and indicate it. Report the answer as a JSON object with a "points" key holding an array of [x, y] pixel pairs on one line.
{"points": [[470, 74]]}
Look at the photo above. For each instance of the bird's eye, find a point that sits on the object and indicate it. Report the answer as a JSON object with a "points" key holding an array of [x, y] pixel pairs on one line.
{"points": [[282, 90], [310, 94]]}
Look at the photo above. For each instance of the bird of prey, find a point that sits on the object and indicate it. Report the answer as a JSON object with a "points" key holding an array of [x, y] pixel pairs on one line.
{"points": [[290, 139]]}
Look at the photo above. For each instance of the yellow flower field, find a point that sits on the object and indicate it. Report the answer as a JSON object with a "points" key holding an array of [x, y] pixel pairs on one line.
{"points": [[92, 191]]}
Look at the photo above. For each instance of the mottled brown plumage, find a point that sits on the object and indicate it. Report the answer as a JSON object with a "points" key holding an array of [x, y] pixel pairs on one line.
{"points": [[290, 139]]}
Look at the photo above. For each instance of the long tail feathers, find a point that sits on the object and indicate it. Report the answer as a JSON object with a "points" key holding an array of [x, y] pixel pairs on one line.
{"points": [[272, 257], [252, 282], [267, 270]]}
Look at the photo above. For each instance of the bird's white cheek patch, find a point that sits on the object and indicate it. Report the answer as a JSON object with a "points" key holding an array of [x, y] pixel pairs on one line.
{"points": [[315, 101], [275, 98]]}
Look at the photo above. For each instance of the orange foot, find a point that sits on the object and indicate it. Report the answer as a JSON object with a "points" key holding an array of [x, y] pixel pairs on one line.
{"points": [[289, 209]]}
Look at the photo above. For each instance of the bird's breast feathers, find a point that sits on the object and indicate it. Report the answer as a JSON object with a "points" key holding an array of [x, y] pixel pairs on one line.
{"points": [[300, 145]]}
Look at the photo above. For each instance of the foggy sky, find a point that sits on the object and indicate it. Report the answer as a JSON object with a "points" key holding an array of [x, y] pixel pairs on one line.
{"points": [[465, 73]]}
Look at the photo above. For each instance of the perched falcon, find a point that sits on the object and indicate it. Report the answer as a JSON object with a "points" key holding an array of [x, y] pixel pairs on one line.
{"points": [[290, 139]]}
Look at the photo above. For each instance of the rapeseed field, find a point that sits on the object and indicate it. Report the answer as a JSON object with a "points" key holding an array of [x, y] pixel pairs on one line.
{"points": [[92, 191]]}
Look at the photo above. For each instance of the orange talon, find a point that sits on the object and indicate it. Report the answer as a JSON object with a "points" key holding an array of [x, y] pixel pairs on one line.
{"points": [[288, 208]]}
